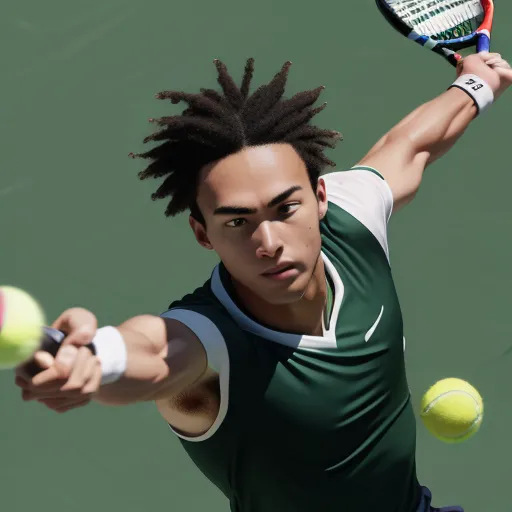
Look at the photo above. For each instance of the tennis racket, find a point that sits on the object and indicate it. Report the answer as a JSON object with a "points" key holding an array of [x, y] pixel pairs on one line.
{"points": [[444, 26]]}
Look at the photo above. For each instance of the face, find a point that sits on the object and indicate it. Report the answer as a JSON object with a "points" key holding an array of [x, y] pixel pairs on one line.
{"points": [[262, 218]]}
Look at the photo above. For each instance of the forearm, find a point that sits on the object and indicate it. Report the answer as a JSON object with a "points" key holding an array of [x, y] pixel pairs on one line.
{"points": [[159, 364], [434, 127], [422, 137], [146, 370]]}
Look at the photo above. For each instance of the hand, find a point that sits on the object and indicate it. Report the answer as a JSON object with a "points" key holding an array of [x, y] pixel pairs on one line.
{"points": [[70, 378], [490, 67]]}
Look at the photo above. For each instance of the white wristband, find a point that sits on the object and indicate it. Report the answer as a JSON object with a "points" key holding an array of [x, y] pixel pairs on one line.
{"points": [[111, 351], [478, 89]]}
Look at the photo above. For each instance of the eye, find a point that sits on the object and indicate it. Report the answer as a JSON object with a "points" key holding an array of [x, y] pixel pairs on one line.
{"points": [[236, 223], [289, 208]]}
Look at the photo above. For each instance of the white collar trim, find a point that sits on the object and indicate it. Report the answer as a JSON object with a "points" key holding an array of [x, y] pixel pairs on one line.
{"points": [[328, 340]]}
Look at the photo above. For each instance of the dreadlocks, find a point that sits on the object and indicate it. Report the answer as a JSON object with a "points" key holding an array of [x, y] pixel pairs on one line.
{"points": [[216, 125]]}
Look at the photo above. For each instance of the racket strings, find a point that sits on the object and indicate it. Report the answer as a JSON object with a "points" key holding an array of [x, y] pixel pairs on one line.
{"points": [[441, 18]]}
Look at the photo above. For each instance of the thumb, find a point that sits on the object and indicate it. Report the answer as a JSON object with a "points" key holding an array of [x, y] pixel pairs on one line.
{"points": [[504, 72], [78, 324]]}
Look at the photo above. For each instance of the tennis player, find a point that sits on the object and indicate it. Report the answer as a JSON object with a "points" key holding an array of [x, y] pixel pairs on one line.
{"points": [[283, 376]]}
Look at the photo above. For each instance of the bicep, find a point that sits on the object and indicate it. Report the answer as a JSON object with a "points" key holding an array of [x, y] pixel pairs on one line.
{"points": [[401, 166]]}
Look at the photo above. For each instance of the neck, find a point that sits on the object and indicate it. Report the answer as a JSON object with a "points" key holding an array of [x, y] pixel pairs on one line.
{"points": [[301, 317]]}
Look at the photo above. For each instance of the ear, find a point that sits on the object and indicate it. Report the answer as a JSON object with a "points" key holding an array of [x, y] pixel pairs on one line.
{"points": [[200, 233], [321, 196]]}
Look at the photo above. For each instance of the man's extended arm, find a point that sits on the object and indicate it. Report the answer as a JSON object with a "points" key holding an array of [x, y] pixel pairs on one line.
{"points": [[153, 357]]}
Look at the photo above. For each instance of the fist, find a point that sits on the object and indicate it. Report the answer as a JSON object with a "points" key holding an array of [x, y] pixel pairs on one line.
{"points": [[490, 67], [68, 379]]}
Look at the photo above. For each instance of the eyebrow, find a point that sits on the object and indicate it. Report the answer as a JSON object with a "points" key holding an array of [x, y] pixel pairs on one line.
{"points": [[242, 210]]}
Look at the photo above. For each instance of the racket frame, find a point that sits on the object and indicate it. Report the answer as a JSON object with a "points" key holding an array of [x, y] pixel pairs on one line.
{"points": [[481, 37]]}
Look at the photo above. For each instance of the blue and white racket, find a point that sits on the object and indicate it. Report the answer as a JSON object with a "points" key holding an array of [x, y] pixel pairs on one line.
{"points": [[443, 26]]}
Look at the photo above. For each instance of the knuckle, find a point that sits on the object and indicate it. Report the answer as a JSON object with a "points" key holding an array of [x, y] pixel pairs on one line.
{"points": [[63, 371], [67, 355], [87, 329], [84, 334], [73, 386], [90, 388], [84, 352]]}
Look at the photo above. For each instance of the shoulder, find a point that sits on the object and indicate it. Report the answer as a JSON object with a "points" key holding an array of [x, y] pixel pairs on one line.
{"points": [[365, 195], [203, 314]]}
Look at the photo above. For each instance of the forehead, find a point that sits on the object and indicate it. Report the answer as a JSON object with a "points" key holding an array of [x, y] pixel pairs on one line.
{"points": [[252, 176]]}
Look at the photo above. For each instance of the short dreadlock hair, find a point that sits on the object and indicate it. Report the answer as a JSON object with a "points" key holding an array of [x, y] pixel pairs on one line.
{"points": [[216, 125]]}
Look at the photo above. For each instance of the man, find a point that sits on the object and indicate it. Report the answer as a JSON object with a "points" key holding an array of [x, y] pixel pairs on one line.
{"points": [[283, 376]]}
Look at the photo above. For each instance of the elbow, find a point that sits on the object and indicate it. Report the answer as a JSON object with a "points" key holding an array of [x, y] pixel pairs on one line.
{"points": [[405, 140]]}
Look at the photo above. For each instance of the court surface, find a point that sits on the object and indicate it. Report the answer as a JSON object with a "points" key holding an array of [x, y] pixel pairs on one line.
{"points": [[78, 228]]}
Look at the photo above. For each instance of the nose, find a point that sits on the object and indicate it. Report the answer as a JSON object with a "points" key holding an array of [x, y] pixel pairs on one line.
{"points": [[268, 242]]}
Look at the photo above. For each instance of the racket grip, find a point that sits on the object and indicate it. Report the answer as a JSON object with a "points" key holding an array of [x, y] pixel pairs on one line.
{"points": [[51, 341]]}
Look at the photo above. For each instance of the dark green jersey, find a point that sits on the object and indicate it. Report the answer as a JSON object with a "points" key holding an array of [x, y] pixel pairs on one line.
{"points": [[314, 423]]}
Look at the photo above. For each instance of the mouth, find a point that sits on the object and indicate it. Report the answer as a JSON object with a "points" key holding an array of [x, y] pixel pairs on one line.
{"points": [[281, 272]]}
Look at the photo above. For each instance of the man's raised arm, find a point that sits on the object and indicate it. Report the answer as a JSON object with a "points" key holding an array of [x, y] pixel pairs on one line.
{"points": [[432, 129]]}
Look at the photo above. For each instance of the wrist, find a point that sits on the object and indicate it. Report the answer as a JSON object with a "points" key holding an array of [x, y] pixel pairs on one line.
{"points": [[477, 89], [111, 351]]}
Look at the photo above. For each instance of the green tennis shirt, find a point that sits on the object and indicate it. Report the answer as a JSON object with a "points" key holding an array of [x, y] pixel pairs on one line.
{"points": [[314, 423]]}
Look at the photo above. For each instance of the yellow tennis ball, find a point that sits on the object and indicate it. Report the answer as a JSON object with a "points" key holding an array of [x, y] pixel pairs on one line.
{"points": [[21, 326], [452, 410]]}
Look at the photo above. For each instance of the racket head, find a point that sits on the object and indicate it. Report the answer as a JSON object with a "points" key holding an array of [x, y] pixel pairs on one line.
{"points": [[443, 26]]}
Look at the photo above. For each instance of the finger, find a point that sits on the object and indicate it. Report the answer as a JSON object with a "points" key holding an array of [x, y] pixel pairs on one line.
{"points": [[79, 324], [75, 405], [501, 64], [22, 372], [494, 60], [486, 56], [26, 395], [94, 383], [48, 378], [80, 336], [504, 73], [57, 404], [64, 322], [82, 370], [65, 360], [47, 394], [44, 359], [21, 382]]}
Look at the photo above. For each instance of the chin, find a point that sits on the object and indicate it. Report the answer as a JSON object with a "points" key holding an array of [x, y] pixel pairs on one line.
{"points": [[283, 299], [289, 295]]}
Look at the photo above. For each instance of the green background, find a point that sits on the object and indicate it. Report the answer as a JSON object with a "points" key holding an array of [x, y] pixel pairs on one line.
{"points": [[78, 228]]}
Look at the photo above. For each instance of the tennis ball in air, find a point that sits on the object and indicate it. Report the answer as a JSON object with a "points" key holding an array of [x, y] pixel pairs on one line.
{"points": [[452, 410], [21, 326]]}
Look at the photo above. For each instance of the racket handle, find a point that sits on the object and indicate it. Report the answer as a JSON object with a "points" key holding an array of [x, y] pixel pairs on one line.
{"points": [[483, 43], [452, 57]]}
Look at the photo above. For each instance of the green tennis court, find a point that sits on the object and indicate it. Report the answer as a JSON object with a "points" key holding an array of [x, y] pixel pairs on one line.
{"points": [[78, 228]]}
